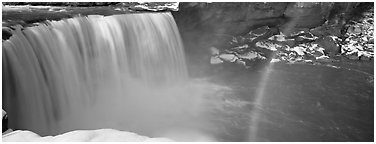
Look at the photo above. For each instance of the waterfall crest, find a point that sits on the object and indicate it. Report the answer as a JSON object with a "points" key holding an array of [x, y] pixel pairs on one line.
{"points": [[78, 73]]}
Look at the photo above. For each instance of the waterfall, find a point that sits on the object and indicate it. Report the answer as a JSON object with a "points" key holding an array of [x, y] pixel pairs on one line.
{"points": [[92, 72]]}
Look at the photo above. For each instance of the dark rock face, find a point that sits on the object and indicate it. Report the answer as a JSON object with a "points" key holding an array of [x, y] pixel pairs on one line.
{"points": [[305, 15], [238, 18], [326, 30], [6, 32], [229, 18]]}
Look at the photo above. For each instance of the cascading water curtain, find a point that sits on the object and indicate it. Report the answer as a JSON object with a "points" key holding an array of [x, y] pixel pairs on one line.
{"points": [[60, 74]]}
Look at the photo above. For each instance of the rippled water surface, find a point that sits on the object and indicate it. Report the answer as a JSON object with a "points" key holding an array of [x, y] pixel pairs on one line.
{"points": [[302, 102]]}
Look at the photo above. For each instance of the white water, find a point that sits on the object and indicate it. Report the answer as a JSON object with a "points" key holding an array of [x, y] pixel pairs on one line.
{"points": [[125, 72]]}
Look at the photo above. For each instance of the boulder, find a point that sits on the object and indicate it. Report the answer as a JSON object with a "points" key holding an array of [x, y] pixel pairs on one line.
{"points": [[291, 42], [215, 60], [261, 31], [329, 44], [250, 55], [228, 57]]}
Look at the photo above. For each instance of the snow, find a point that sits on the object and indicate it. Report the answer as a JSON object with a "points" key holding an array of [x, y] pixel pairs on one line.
{"points": [[4, 113], [215, 60], [228, 57], [100, 135], [275, 60]]}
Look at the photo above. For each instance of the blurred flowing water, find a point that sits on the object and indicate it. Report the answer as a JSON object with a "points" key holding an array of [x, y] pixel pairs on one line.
{"points": [[125, 72]]}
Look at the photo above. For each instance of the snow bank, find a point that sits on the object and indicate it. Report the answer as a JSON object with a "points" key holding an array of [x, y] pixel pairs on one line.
{"points": [[100, 135]]}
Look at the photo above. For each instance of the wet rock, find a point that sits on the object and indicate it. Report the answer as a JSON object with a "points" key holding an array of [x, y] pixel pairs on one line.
{"points": [[299, 50], [305, 14], [366, 57], [354, 30], [6, 32], [326, 30], [290, 42], [318, 53], [329, 44], [230, 18], [353, 56]]}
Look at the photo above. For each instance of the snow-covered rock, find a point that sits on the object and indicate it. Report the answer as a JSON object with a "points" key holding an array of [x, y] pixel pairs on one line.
{"points": [[4, 113], [150, 6], [268, 45], [358, 44], [215, 60], [228, 57], [299, 50]]}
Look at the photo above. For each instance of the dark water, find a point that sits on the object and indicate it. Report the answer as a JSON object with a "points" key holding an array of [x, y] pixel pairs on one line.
{"points": [[303, 102]]}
